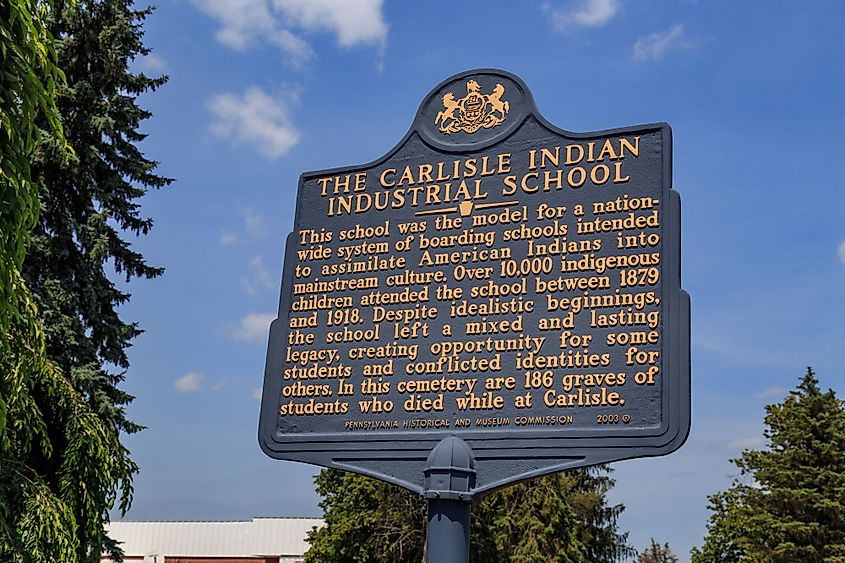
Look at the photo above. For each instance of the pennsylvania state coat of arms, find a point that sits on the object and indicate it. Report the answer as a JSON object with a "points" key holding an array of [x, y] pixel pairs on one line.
{"points": [[474, 111]]}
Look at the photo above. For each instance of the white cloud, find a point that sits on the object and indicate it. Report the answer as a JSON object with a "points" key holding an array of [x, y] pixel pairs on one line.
{"points": [[773, 391], [227, 238], [256, 393], [254, 327], [189, 382], [259, 277], [583, 13], [247, 23], [253, 222], [751, 442], [220, 384], [355, 22], [151, 63], [655, 45], [841, 252], [253, 226], [255, 119]]}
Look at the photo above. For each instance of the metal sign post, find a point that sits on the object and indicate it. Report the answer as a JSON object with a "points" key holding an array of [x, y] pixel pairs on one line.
{"points": [[449, 480]]}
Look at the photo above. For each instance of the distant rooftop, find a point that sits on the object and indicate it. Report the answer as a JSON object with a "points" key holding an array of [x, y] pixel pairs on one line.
{"points": [[258, 537]]}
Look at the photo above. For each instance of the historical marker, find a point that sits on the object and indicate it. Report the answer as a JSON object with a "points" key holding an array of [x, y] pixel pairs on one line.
{"points": [[493, 278]]}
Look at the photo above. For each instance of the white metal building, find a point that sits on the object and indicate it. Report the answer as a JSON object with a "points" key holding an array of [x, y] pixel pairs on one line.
{"points": [[260, 540]]}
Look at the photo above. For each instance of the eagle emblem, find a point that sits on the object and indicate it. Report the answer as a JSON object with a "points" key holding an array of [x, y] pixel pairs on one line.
{"points": [[474, 111]]}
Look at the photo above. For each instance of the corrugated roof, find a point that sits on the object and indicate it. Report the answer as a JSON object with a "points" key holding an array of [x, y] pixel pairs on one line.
{"points": [[240, 538]]}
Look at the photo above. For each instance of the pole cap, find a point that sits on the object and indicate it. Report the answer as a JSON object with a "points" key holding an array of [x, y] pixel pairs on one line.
{"points": [[450, 471]]}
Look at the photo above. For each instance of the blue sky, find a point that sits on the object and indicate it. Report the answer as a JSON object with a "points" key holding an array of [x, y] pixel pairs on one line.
{"points": [[262, 90]]}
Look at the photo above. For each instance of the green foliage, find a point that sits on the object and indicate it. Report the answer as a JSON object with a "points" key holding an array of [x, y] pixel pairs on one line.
{"points": [[530, 523], [28, 77], [89, 202], [62, 466], [598, 531], [561, 517], [27, 85], [656, 553], [789, 503], [59, 464], [366, 521]]}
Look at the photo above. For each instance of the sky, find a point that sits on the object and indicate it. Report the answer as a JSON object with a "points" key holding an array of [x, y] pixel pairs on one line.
{"points": [[263, 90]]}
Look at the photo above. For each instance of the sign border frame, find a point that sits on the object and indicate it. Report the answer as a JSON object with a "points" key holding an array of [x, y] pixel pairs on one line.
{"points": [[577, 446]]}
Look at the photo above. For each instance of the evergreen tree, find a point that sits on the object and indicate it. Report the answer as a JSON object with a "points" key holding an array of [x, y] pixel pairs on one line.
{"points": [[789, 503], [88, 202], [598, 529], [528, 522], [656, 553], [560, 517], [57, 458], [366, 521]]}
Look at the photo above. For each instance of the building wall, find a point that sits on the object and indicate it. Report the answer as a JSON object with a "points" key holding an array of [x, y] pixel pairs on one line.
{"points": [[220, 560], [214, 541]]}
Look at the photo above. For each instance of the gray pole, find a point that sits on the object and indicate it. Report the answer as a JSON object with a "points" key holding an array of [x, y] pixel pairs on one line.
{"points": [[449, 480], [448, 531]]}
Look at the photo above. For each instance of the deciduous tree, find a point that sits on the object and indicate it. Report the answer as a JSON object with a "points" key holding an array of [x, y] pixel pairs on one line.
{"points": [[44, 514], [62, 466], [560, 517]]}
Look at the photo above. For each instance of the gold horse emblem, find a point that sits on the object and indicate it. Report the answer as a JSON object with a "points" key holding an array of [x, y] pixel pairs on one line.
{"points": [[474, 111]]}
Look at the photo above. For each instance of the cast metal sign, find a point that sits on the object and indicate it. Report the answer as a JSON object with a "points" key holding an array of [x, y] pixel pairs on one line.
{"points": [[492, 278]]}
